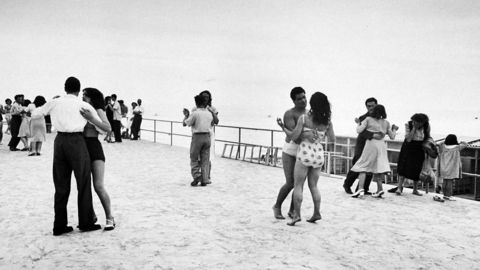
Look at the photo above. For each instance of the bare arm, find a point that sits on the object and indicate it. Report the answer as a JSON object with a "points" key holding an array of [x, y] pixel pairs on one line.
{"points": [[362, 125], [392, 132], [214, 114], [97, 121], [331, 137]]}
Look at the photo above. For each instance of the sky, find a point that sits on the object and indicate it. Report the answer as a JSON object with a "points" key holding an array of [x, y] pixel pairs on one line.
{"points": [[412, 55]]}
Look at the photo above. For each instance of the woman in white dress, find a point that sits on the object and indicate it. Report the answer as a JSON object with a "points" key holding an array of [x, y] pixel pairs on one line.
{"points": [[38, 128], [374, 158]]}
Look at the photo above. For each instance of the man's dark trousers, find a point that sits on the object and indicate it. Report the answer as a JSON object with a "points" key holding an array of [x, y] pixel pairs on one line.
{"points": [[14, 129], [352, 176], [117, 126], [137, 121], [70, 153]]}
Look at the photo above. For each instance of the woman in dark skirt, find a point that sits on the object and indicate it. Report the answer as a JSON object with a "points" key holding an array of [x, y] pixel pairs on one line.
{"points": [[411, 157]]}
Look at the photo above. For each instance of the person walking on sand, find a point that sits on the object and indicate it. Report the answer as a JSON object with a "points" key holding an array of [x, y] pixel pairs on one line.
{"points": [[70, 153], [290, 147], [374, 158], [200, 120], [95, 98], [362, 137], [310, 155]]}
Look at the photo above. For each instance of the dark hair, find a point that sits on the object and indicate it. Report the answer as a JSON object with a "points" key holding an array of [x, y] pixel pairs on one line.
{"points": [[96, 98], [107, 100], [139, 101], [26, 102], [39, 101], [114, 96], [320, 108], [134, 103], [199, 101], [209, 103], [424, 121], [8, 100], [72, 85], [372, 99], [295, 91], [120, 101], [18, 96], [379, 112], [451, 139]]}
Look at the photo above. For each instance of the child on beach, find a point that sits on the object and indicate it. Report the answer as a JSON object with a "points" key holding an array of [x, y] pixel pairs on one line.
{"points": [[449, 163]]}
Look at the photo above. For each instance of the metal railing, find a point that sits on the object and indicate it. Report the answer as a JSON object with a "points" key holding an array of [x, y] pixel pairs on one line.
{"points": [[338, 161]]}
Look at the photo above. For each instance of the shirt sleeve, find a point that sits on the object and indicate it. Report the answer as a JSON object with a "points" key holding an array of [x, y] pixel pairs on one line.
{"points": [[190, 121], [90, 108], [43, 110]]}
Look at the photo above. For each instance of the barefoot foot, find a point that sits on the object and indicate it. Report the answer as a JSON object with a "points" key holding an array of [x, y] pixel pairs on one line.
{"points": [[277, 213], [314, 218], [294, 220]]}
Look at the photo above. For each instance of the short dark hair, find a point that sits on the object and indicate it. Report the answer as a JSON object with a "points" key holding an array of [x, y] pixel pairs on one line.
{"points": [[371, 99], [199, 101], [295, 91], [120, 101], [8, 100], [18, 96], [39, 101], [72, 85], [139, 102], [107, 100], [96, 98], [114, 96], [379, 112], [26, 102], [451, 139]]}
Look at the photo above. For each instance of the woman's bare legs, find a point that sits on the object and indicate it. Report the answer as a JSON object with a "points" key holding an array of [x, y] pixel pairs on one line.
{"points": [[300, 173], [288, 169], [401, 179], [361, 184], [415, 189], [313, 176], [98, 171]]}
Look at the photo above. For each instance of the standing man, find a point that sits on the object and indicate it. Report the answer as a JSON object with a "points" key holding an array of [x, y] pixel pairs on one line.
{"points": [[137, 119], [200, 120], [289, 151], [16, 121], [370, 103], [70, 153], [117, 118]]}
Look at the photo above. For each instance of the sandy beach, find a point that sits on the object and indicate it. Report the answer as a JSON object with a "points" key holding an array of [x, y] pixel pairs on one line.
{"points": [[163, 223]]}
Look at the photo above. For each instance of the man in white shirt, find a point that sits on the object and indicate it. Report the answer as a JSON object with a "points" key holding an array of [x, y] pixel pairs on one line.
{"points": [[200, 120], [70, 153], [117, 118], [137, 119]]}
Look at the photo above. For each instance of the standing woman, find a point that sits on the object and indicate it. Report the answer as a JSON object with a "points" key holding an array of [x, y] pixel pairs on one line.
{"points": [[208, 97], [374, 158], [38, 128], [95, 150], [24, 130], [410, 160], [109, 113], [310, 154]]}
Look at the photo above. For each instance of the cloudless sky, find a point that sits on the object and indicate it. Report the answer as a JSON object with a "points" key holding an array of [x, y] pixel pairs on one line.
{"points": [[413, 56]]}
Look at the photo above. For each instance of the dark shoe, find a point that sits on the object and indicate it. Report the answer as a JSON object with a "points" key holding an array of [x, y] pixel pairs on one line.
{"points": [[208, 182], [347, 189], [92, 227], [367, 193], [32, 154], [60, 231], [203, 184], [14, 149], [393, 190], [194, 183]]}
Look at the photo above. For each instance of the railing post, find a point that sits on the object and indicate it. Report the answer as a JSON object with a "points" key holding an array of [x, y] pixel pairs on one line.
{"points": [[239, 142], [171, 133], [271, 138], [154, 131]]}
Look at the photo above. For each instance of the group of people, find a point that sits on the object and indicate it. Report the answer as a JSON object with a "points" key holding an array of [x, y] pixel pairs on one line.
{"points": [[303, 153], [120, 119]]}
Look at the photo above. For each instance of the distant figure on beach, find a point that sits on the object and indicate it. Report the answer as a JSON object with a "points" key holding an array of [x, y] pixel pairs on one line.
{"points": [[362, 137], [310, 154], [24, 130], [124, 122], [412, 155], [137, 120], [95, 150], [449, 164], [38, 128], [70, 153], [109, 113], [7, 110], [2, 112], [16, 113], [200, 120], [374, 158], [208, 97], [289, 150], [117, 119]]}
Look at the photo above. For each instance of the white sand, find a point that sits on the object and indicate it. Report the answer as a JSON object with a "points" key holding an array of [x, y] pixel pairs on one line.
{"points": [[163, 223]]}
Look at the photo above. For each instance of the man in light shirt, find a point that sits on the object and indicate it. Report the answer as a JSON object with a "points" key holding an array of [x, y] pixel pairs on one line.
{"points": [[117, 118], [200, 120], [16, 113], [70, 153]]}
